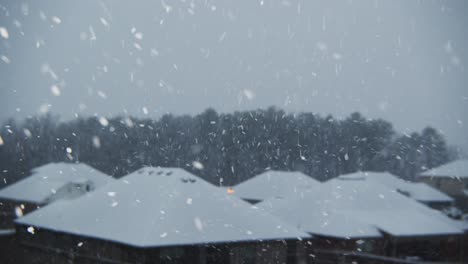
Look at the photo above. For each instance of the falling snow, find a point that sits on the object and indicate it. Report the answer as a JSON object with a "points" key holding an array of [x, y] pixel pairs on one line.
{"points": [[56, 20], [5, 59], [103, 121], [55, 90], [96, 142], [197, 165], [18, 211], [249, 94], [154, 72], [198, 223], [31, 230], [27, 133], [4, 33]]}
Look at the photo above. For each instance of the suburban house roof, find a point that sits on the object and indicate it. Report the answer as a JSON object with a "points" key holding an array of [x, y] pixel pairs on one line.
{"points": [[418, 191], [316, 219], [274, 184], [46, 180], [455, 169], [155, 207], [359, 209]]}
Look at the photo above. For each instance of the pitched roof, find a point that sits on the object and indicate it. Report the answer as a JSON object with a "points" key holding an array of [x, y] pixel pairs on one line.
{"points": [[161, 207], [455, 169], [425, 193], [418, 191], [360, 208], [274, 184], [317, 219], [46, 180]]}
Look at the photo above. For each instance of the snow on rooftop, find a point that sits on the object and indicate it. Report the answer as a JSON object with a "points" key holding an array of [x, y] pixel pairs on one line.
{"points": [[359, 209], [455, 169], [161, 207], [425, 193], [274, 184], [47, 179], [418, 191], [317, 219], [463, 224]]}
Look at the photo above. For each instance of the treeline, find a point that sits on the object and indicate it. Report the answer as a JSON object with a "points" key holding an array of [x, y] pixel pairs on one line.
{"points": [[227, 148]]}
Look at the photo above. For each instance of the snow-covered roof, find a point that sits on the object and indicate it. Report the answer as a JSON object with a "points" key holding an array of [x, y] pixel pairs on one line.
{"points": [[46, 180], [161, 207], [463, 224], [359, 209], [274, 184], [418, 191], [316, 219], [455, 169], [425, 193]]}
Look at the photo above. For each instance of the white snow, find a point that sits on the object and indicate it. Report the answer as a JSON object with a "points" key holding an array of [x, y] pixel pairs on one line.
{"points": [[55, 90], [274, 184], [197, 165], [456, 169], [31, 230], [463, 224], [143, 196], [96, 142], [250, 95], [104, 22], [55, 181], [418, 191], [27, 133], [5, 59], [349, 208], [18, 211], [4, 33], [56, 20], [103, 121], [317, 219], [139, 35], [425, 193]]}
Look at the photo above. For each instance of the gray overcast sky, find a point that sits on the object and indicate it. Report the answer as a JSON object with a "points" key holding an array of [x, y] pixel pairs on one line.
{"points": [[403, 60]]}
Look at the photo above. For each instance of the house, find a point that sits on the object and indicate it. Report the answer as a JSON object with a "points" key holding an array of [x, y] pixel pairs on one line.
{"points": [[452, 179], [367, 217], [156, 215], [273, 184], [420, 192], [48, 183], [330, 229]]}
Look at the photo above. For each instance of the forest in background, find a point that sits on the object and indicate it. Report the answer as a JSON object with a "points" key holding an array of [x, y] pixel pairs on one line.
{"points": [[222, 148]]}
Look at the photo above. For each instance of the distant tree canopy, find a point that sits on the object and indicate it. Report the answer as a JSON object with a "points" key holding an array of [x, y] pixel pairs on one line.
{"points": [[231, 147]]}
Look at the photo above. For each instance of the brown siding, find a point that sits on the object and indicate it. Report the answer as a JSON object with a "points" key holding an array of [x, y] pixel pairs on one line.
{"points": [[448, 185], [451, 186]]}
